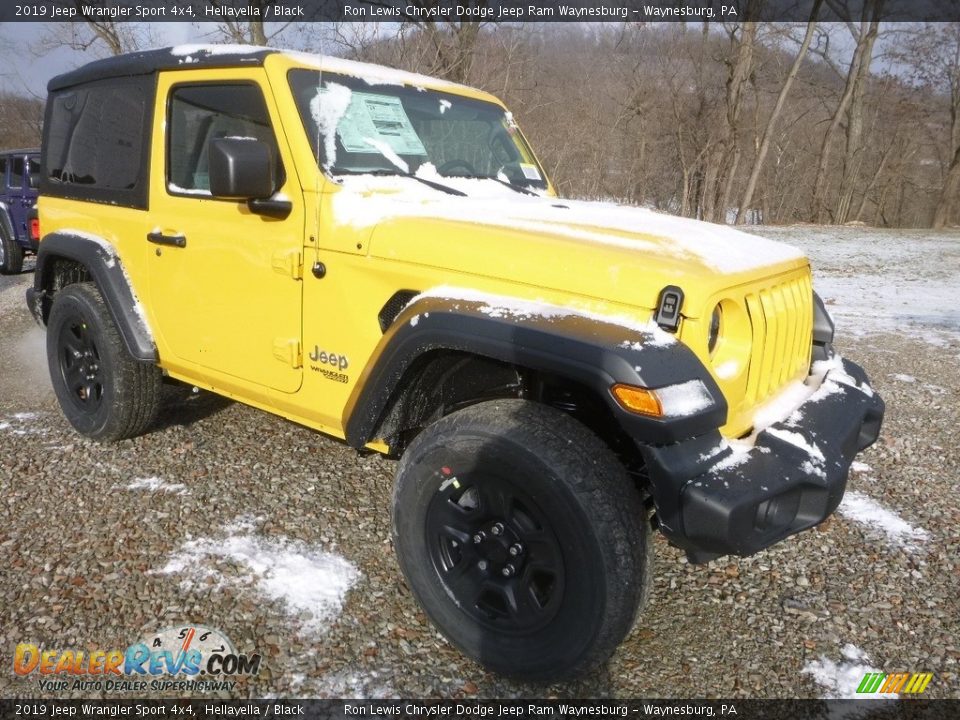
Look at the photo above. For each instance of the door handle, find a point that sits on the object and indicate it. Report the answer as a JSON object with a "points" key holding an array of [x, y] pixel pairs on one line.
{"points": [[158, 238]]}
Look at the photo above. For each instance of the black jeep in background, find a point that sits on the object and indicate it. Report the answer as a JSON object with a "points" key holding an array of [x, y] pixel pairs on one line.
{"points": [[19, 178]]}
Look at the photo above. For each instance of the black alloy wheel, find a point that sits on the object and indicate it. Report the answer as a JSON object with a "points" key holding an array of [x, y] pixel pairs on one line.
{"points": [[496, 553]]}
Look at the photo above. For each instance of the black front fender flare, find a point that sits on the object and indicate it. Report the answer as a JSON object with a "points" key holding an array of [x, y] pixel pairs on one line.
{"points": [[595, 351], [101, 261]]}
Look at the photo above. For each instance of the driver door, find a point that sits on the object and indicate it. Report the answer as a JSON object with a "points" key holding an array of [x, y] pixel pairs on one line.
{"points": [[225, 285]]}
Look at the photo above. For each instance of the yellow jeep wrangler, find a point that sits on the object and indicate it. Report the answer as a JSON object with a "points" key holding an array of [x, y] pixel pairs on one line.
{"points": [[380, 256]]}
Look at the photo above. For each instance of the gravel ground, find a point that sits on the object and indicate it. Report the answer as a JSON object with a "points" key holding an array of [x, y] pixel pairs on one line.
{"points": [[87, 561]]}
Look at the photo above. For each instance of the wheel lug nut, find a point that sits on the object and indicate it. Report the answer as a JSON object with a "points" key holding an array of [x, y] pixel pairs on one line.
{"points": [[482, 564], [497, 529], [478, 538], [516, 549], [508, 570]]}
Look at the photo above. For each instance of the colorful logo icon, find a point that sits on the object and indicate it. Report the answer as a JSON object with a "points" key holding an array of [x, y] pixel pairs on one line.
{"points": [[893, 683]]}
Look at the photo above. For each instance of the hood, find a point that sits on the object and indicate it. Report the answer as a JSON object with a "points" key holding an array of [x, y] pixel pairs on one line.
{"points": [[596, 250]]}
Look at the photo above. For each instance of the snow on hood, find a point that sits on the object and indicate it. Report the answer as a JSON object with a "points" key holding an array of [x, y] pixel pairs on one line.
{"points": [[719, 247]]}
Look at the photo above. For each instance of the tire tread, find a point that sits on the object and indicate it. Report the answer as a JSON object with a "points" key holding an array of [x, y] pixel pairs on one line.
{"points": [[138, 383], [601, 485]]}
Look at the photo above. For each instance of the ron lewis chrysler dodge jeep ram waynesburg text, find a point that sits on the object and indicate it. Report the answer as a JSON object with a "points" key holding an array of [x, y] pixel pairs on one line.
{"points": [[379, 256]]}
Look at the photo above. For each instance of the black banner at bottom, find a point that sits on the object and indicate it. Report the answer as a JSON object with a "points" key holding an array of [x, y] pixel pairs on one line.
{"points": [[190, 709]]}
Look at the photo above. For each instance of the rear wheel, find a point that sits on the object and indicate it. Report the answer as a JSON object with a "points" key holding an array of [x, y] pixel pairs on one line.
{"points": [[522, 537], [11, 254], [104, 392]]}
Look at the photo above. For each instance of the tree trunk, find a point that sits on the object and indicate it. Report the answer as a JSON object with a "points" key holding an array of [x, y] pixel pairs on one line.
{"points": [[873, 180], [868, 32], [854, 134], [775, 116], [725, 156], [948, 195]]}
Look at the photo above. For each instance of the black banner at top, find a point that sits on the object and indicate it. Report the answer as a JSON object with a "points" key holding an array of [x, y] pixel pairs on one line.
{"points": [[514, 11]]}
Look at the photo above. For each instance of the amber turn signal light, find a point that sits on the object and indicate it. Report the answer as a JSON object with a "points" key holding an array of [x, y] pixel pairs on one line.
{"points": [[638, 400]]}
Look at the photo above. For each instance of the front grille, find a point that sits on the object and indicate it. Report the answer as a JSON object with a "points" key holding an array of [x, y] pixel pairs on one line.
{"points": [[781, 317]]}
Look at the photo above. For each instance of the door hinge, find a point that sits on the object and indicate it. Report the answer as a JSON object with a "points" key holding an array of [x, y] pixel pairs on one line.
{"points": [[289, 262], [288, 351]]}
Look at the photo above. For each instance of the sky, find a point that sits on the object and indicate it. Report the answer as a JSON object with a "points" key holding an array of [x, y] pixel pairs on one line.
{"points": [[24, 71]]}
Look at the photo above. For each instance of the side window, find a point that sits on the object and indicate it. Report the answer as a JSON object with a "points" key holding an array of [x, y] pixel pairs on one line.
{"points": [[34, 172], [199, 114], [17, 166], [94, 144], [3, 172]]}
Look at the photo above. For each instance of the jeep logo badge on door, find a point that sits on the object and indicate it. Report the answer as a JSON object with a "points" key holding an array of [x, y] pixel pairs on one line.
{"points": [[328, 358]]}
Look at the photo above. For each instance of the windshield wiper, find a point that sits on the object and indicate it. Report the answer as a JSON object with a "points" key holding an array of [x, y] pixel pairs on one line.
{"points": [[382, 172], [512, 185]]}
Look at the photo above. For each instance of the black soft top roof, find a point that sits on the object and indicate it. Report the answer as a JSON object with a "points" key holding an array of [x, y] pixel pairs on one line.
{"points": [[147, 62]]}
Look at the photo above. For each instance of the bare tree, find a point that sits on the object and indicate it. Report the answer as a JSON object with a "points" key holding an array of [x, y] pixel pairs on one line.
{"points": [[932, 54], [850, 106], [769, 129], [21, 120], [89, 32]]}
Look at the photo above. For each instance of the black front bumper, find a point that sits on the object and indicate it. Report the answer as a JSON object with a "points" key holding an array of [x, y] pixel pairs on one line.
{"points": [[712, 501]]}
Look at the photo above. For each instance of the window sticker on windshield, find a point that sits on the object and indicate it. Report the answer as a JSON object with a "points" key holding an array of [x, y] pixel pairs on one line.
{"points": [[380, 117], [530, 172]]}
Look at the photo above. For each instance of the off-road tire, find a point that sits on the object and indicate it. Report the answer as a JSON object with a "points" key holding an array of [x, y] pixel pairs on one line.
{"points": [[11, 254], [105, 393], [553, 480]]}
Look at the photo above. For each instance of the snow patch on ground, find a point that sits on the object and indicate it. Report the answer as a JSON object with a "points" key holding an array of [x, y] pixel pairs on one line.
{"points": [[156, 484], [884, 281], [860, 467], [22, 423], [881, 521], [900, 377], [310, 582], [360, 684], [840, 680]]}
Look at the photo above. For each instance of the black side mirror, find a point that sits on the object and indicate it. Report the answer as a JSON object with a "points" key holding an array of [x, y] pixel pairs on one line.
{"points": [[241, 169]]}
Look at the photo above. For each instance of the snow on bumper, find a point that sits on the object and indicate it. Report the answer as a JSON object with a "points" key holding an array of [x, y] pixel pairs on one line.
{"points": [[732, 499]]}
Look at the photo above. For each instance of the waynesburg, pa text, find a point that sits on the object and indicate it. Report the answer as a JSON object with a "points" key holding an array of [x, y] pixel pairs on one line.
{"points": [[499, 710]]}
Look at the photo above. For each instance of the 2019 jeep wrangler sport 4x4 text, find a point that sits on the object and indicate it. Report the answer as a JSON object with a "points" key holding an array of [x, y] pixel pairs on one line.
{"points": [[380, 256]]}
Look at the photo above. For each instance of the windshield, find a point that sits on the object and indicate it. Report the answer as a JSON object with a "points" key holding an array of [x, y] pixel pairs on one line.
{"points": [[357, 127]]}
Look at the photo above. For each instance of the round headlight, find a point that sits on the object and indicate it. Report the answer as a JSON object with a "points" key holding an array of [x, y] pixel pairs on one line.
{"points": [[714, 335]]}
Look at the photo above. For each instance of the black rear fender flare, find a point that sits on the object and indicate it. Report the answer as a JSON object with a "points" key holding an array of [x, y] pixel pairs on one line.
{"points": [[103, 264]]}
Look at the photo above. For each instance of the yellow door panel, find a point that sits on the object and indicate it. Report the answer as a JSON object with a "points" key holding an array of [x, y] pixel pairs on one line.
{"points": [[228, 297]]}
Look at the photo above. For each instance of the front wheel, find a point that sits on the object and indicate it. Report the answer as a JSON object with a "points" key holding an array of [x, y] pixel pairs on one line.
{"points": [[105, 393], [522, 537]]}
